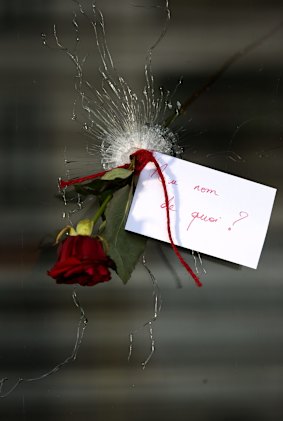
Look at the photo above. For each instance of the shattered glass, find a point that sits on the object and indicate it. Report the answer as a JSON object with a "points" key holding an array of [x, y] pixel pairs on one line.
{"points": [[218, 350]]}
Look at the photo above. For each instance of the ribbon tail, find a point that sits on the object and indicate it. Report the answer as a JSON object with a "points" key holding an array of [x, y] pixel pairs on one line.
{"points": [[173, 245], [66, 183]]}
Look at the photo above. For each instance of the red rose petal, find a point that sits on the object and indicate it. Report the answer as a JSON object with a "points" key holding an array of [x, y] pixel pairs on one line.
{"points": [[82, 260]]}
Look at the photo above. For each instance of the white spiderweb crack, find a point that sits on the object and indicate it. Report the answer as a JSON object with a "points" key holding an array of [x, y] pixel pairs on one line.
{"points": [[157, 304], [196, 263], [144, 129], [118, 120], [72, 357]]}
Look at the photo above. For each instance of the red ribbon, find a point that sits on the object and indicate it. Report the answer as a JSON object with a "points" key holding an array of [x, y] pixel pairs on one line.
{"points": [[63, 183], [142, 158]]}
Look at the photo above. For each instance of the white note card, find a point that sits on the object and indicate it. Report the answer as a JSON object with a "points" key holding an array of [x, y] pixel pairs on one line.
{"points": [[211, 212]]}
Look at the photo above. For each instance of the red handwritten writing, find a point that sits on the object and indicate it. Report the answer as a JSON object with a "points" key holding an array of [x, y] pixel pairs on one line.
{"points": [[201, 217], [171, 205], [206, 190], [163, 168], [173, 182]]}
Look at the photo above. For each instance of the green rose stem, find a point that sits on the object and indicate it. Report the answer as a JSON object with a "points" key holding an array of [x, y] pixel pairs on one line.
{"points": [[85, 226], [101, 210]]}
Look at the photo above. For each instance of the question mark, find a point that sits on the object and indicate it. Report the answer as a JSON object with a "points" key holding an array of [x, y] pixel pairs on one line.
{"points": [[243, 215]]}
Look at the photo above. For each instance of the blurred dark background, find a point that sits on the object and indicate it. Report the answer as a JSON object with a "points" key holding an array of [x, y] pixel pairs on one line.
{"points": [[219, 348]]}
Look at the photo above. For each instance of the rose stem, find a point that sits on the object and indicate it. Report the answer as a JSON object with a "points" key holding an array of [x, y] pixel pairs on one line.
{"points": [[101, 210]]}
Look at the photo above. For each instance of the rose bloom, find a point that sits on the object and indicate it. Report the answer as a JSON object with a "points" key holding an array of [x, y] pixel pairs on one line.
{"points": [[81, 260]]}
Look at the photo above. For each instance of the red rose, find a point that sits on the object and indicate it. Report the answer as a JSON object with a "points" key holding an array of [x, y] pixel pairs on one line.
{"points": [[81, 260]]}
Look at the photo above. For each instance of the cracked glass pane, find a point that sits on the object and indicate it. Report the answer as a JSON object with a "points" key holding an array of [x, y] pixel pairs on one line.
{"points": [[218, 349]]}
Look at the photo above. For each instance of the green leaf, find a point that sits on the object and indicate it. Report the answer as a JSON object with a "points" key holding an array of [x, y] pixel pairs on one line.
{"points": [[117, 173], [125, 247], [95, 187], [99, 185]]}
